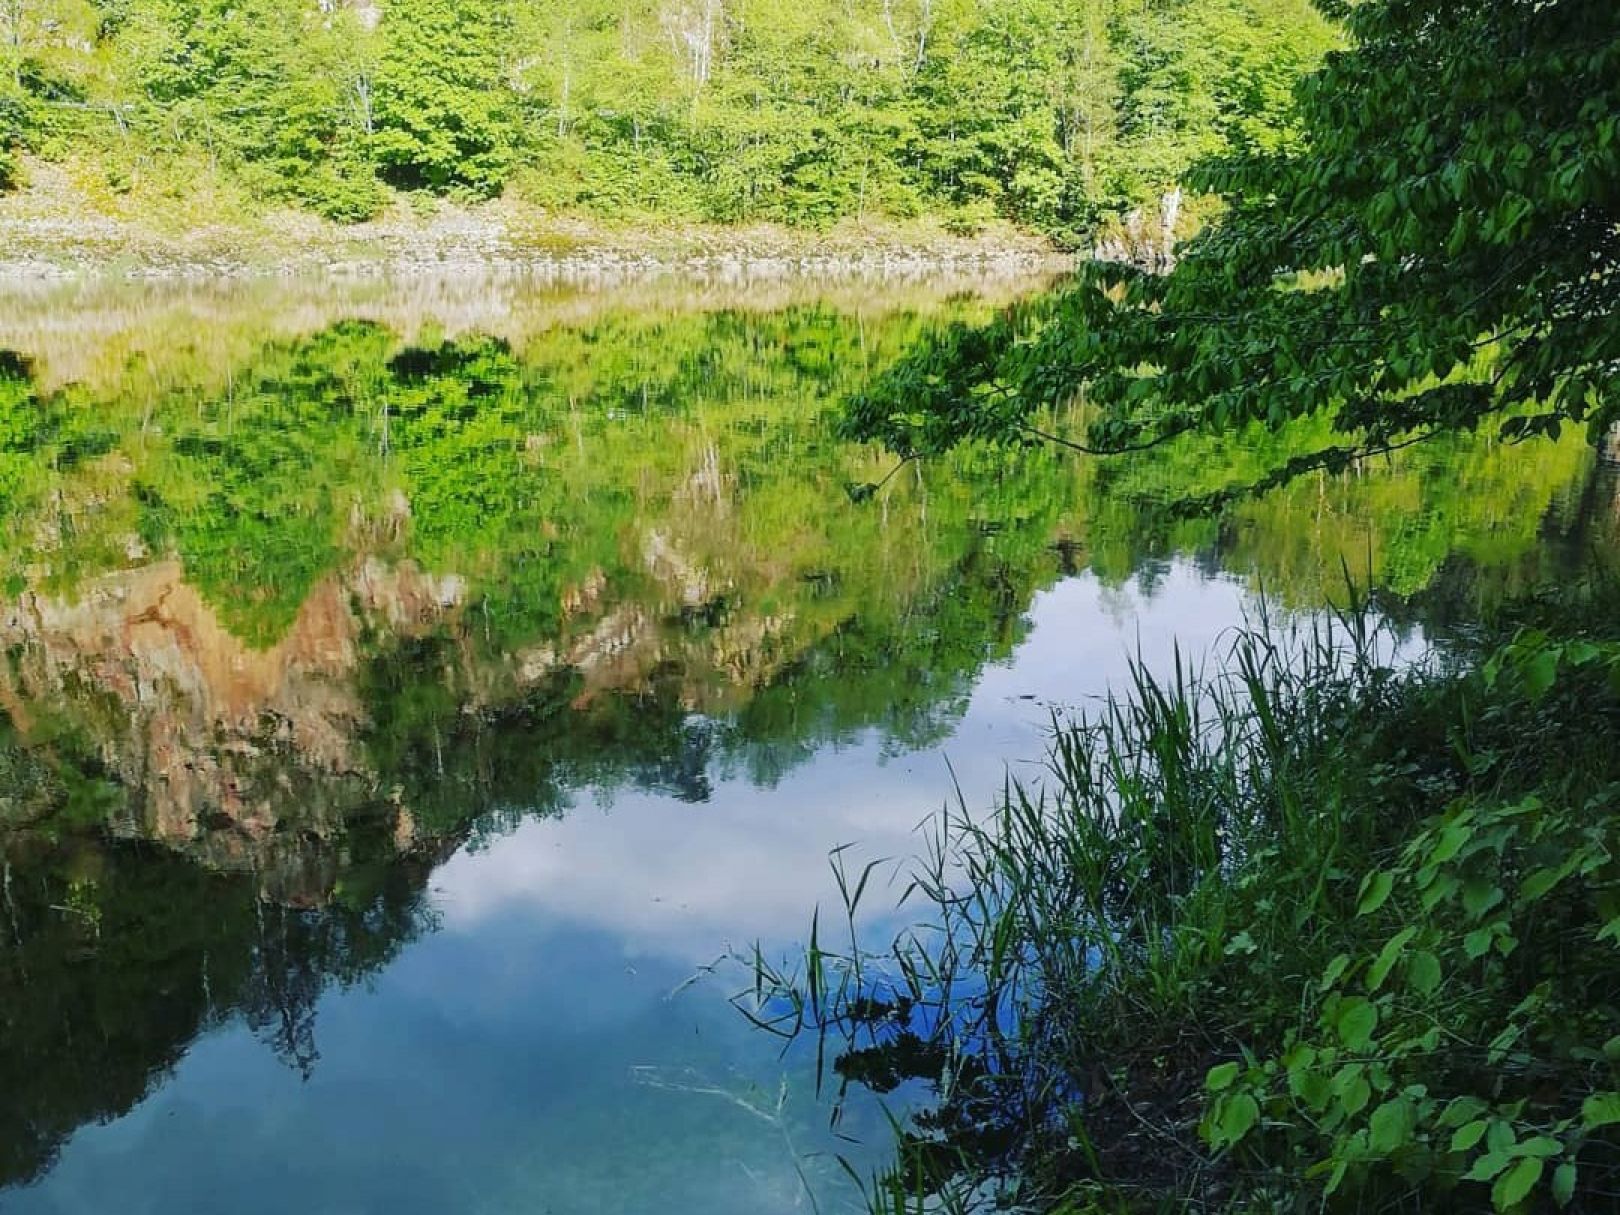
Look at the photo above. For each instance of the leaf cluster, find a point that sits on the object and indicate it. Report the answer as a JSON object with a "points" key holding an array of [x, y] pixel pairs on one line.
{"points": [[1440, 249]]}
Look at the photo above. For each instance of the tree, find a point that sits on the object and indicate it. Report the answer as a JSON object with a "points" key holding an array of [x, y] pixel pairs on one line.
{"points": [[1050, 113], [26, 27], [290, 94], [37, 41], [1441, 247], [443, 109]]}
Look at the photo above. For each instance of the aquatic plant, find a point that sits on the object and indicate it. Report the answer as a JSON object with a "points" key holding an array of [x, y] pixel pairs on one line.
{"points": [[1322, 926]]}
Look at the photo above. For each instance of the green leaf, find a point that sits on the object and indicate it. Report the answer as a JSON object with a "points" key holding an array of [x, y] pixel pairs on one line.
{"points": [[1480, 896], [1600, 1109], [1238, 1115], [1488, 1166], [1221, 1076], [1512, 1186], [1440, 890], [1450, 843], [1563, 1184], [1391, 1126], [1356, 1019], [1423, 972], [1375, 890], [1337, 1179], [1347, 1075], [1477, 943], [1539, 883], [1242, 943], [1579, 653], [1460, 1110], [1387, 957], [1540, 672], [1311, 1087], [1355, 1096], [1466, 1136], [1334, 970], [1541, 1145]]}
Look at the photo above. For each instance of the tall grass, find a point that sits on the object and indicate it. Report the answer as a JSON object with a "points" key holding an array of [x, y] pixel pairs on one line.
{"points": [[1314, 927]]}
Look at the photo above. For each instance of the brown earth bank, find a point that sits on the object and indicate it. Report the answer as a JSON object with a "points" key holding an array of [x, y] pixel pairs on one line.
{"points": [[229, 748]]}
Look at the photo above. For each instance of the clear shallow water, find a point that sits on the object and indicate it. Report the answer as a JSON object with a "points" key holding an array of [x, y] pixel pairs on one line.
{"points": [[398, 723]]}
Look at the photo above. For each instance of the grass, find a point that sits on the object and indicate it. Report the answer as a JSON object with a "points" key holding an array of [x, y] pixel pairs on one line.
{"points": [[1319, 929]]}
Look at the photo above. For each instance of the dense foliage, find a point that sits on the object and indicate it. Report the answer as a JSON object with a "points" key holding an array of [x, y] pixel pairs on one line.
{"points": [[1046, 112], [1441, 247]]}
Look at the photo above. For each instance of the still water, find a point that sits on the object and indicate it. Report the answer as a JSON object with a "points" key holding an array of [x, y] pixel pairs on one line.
{"points": [[415, 691]]}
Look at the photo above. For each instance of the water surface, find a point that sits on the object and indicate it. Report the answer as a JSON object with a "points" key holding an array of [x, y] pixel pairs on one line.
{"points": [[413, 689]]}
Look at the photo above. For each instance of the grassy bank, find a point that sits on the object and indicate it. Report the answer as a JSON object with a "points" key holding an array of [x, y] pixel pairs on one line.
{"points": [[1326, 931], [66, 223]]}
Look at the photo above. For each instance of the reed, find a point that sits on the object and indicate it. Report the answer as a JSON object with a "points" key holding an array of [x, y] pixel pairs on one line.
{"points": [[1316, 924]]}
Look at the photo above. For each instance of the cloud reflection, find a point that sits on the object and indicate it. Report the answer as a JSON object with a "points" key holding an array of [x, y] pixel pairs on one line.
{"points": [[680, 881]]}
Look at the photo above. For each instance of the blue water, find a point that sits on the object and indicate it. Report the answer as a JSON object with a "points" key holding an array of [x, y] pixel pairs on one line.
{"points": [[545, 1050]]}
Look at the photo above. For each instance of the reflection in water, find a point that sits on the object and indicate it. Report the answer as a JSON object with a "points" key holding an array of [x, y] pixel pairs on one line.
{"points": [[429, 709], [118, 956], [537, 1039], [677, 886]]}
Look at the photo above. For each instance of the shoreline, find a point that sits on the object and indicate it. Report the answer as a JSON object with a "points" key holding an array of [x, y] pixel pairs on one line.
{"points": [[606, 265], [50, 237], [90, 330]]}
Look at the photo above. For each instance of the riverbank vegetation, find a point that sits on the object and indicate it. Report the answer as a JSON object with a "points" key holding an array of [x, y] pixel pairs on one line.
{"points": [[1322, 928], [1436, 253], [1050, 115]]}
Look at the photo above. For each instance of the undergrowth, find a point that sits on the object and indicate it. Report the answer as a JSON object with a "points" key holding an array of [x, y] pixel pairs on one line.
{"points": [[1326, 929]]}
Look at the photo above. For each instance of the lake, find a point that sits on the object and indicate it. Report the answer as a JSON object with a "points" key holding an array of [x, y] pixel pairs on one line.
{"points": [[416, 690]]}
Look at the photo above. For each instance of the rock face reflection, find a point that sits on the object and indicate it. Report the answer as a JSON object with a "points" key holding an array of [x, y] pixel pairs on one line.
{"points": [[208, 723], [275, 647]]}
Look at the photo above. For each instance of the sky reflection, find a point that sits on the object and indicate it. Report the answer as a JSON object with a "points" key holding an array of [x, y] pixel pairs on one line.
{"points": [[541, 1051], [681, 881]]}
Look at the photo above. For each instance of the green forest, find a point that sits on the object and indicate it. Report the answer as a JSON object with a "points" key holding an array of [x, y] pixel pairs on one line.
{"points": [[1051, 114]]}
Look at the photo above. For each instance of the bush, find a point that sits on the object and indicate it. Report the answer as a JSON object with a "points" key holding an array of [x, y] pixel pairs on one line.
{"points": [[344, 194], [15, 122], [970, 219]]}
